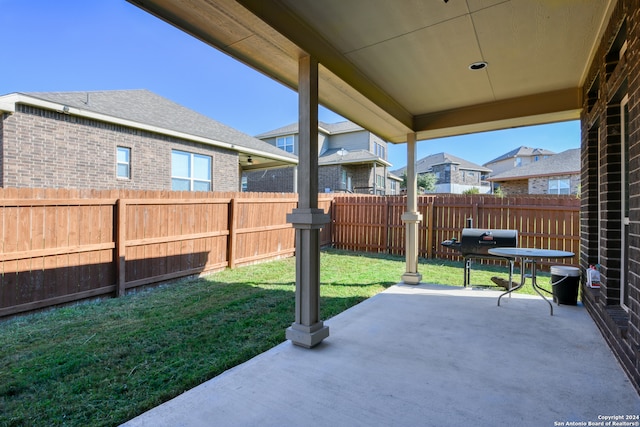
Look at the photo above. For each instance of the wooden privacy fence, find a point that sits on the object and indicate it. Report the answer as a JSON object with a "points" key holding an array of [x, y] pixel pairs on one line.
{"points": [[60, 246], [374, 224]]}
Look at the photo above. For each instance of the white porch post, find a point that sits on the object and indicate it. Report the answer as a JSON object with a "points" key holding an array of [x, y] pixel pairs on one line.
{"points": [[295, 178], [411, 217], [308, 330]]}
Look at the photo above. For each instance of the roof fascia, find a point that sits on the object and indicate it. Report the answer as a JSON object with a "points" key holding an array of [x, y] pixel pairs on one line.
{"points": [[377, 161]]}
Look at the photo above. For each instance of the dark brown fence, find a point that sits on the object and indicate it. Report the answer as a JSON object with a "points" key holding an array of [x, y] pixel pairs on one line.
{"points": [[374, 224], [60, 246]]}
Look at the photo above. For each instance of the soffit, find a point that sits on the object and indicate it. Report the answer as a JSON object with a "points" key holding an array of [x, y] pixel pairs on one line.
{"points": [[401, 66]]}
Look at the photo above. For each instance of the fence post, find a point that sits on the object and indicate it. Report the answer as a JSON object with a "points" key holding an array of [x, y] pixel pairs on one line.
{"points": [[429, 239], [231, 251], [121, 248], [476, 216], [387, 229], [384, 233]]}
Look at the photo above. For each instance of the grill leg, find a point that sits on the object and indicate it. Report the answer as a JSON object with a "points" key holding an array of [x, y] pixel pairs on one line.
{"points": [[467, 271]]}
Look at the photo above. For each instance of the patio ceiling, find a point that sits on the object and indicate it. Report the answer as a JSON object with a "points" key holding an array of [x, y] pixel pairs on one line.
{"points": [[402, 66]]}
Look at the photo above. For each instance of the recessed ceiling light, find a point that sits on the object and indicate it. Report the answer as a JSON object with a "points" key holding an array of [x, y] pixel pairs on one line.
{"points": [[478, 65]]}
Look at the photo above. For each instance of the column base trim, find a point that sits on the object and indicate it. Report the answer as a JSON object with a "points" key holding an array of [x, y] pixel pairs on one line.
{"points": [[411, 278], [305, 336]]}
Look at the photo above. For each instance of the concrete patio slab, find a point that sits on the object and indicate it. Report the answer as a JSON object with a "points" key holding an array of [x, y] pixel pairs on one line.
{"points": [[423, 355]]}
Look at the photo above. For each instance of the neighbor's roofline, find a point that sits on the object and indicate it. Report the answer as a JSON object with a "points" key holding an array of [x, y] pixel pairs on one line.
{"points": [[322, 127], [376, 160], [8, 104], [497, 178]]}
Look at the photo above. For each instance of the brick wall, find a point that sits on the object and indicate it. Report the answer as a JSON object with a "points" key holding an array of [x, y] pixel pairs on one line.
{"points": [[442, 173], [362, 178], [610, 79], [330, 177], [514, 188], [272, 180], [47, 149]]}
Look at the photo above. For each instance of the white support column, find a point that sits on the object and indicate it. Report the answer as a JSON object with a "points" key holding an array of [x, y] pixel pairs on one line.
{"points": [[308, 330], [295, 179], [411, 217]]}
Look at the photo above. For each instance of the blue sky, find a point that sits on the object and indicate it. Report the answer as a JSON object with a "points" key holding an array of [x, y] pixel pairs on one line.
{"points": [[78, 45]]}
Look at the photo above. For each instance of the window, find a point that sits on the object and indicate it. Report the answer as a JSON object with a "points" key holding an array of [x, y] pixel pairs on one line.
{"points": [[245, 184], [518, 161], [123, 165], [560, 186], [190, 172], [285, 143], [343, 180], [378, 150]]}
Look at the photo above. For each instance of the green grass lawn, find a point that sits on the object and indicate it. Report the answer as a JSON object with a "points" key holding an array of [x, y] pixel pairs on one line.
{"points": [[103, 362]]}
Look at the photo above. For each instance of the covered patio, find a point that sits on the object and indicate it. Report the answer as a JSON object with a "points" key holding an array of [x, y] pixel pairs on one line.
{"points": [[423, 355], [406, 71], [412, 71]]}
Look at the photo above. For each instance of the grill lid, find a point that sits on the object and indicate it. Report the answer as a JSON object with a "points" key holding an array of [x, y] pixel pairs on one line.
{"points": [[478, 241]]}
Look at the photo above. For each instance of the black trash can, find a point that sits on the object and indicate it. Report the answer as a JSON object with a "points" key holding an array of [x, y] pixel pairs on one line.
{"points": [[565, 282]]}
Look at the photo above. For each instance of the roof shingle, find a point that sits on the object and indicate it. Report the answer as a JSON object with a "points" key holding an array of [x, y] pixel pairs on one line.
{"points": [[145, 107], [425, 164], [522, 151], [564, 163]]}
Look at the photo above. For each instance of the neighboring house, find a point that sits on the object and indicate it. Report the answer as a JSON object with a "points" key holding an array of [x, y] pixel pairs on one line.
{"points": [[453, 174], [350, 159], [519, 157], [122, 139], [556, 174]]}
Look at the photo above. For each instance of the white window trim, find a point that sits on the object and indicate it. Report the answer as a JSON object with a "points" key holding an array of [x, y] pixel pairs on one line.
{"points": [[284, 146], [558, 181], [190, 178], [128, 164]]}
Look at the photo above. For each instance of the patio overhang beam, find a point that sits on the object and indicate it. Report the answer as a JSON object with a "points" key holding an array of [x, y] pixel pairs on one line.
{"points": [[549, 107]]}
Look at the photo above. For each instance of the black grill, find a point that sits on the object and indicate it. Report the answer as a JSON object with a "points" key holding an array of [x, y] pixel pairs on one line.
{"points": [[476, 242]]}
